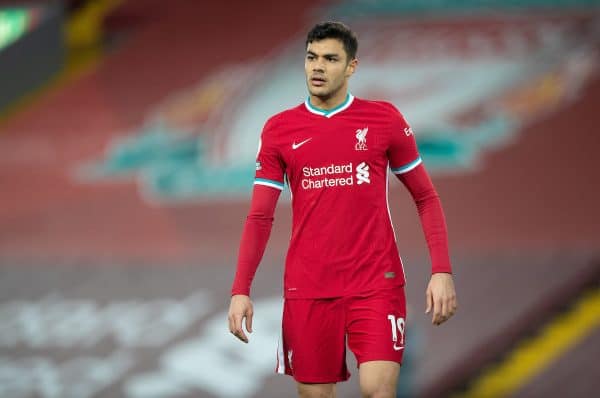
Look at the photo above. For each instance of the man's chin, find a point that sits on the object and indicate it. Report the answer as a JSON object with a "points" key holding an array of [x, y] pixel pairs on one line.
{"points": [[322, 94]]}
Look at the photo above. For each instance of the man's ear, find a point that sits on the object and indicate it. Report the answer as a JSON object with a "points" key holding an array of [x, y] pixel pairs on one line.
{"points": [[351, 68]]}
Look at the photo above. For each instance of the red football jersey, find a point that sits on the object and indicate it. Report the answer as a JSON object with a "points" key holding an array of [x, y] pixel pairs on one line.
{"points": [[336, 163]]}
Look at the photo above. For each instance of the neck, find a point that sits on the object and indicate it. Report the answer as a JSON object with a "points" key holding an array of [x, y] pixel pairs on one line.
{"points": [[327, 103]]}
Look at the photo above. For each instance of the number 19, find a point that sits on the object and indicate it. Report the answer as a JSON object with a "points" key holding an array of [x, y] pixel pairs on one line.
{"points": [[397, 326]]}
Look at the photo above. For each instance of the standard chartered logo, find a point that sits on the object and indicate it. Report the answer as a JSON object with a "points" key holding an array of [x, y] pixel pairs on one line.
{"points": [[335, 175], [362, 174]]}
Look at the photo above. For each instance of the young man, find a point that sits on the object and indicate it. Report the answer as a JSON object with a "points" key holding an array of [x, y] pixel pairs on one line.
{"points": [[343, 276]]}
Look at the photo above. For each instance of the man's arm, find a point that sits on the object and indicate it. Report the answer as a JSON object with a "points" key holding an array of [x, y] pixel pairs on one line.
{"points": [[268, 183], [406, 163], [252, 246], [440, 293]]}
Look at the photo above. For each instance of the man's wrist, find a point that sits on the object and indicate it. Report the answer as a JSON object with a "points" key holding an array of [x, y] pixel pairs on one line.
{"points": [[441, 271]]}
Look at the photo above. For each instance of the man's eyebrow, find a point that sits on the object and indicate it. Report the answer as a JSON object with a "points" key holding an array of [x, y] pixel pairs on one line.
{"points": [[324, 55]]}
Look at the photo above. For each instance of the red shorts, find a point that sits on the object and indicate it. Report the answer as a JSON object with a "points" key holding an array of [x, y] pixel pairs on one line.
{"points": [[313, 349]]}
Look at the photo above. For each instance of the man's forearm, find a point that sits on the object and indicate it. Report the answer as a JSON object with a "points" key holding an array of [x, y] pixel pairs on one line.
{"points": [[431, 215], [255, 236], [436, 235]]}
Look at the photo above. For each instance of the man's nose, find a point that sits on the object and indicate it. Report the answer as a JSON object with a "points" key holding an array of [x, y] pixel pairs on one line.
{"points": [[318, 66]]}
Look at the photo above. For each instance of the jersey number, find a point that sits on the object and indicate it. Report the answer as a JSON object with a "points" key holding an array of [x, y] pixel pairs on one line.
{"points": [[397, 327]]}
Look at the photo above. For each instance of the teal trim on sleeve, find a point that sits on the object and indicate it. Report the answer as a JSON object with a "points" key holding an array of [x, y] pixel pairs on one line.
{"points": [[264, 181], [407, 167]]}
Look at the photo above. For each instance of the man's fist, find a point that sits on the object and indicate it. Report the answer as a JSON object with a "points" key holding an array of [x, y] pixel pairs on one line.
{"points": [[441, 297], [240, 308]]}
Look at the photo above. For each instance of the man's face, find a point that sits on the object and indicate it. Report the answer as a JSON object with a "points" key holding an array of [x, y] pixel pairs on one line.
{"points": [[327, 67]]}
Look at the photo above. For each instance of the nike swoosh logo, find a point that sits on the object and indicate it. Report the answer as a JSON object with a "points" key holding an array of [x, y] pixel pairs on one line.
{"points": [[398, 348], [298, 145]]}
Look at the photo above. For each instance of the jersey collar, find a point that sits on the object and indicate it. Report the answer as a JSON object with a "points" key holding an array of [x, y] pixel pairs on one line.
{"points": [[329, 112]]}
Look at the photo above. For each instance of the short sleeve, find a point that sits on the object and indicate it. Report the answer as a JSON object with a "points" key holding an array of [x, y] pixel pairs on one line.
{"points": [[270, 168], [402, 151]]}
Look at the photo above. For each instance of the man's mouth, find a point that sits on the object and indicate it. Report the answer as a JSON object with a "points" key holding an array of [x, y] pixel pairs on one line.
{"points": [[317, 81]]}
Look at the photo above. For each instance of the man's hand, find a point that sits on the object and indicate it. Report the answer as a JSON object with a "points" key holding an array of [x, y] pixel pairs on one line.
{"points": [[240, 308], [441, 297]]}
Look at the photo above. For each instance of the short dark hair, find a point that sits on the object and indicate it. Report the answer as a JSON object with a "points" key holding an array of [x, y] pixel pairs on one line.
{"points": [[334, 30]]}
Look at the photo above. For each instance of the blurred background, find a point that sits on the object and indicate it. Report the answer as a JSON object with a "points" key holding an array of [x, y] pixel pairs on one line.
{"points": [[128, 131]]}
